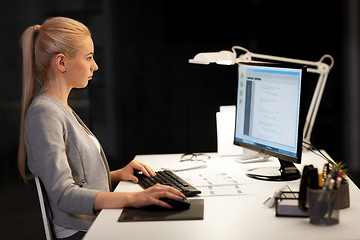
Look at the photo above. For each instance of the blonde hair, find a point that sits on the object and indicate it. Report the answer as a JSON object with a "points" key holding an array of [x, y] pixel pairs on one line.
{"points": [[40, 43]]}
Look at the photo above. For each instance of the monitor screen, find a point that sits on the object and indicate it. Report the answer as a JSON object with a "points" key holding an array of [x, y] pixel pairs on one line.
{"points": [[268, 115]]}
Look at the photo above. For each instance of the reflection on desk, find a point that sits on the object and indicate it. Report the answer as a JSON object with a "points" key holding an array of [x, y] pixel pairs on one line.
{"points": [[230, 217]]}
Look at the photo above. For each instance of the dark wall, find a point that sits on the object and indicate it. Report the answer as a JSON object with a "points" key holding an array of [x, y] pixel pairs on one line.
{"points": [[146, 97], [167, 105]]}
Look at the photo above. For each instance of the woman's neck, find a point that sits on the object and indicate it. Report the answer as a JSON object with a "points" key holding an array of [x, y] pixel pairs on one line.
{"points": [[58, 91]]}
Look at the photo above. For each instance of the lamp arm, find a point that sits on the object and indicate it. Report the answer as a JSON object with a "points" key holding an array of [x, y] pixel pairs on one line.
{"points": [[284, 59], [320, 66], [314, 107]]}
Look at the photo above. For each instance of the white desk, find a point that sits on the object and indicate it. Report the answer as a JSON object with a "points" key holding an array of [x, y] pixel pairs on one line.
{"points": [[230, 217]]}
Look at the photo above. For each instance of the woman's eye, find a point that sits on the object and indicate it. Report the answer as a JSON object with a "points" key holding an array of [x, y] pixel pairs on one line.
{"points": [[89, 58]]}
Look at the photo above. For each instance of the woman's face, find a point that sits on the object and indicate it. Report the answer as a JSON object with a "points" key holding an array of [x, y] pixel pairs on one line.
{"points": [[79, 69]]}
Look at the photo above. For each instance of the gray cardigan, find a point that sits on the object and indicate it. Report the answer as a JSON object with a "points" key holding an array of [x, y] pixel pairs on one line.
{"points": [[68, 162]]}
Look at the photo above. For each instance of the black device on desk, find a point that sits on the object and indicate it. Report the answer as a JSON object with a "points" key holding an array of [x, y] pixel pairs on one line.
{"points": [[268, 116], [168, 178], [175, 204]]}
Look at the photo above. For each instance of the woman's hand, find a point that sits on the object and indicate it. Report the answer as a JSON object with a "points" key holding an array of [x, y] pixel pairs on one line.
{"points": [[127, 173], [152, 196]]}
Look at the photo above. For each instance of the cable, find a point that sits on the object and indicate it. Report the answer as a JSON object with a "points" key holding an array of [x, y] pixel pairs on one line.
{"points": [[317, 151], [313, 149]]}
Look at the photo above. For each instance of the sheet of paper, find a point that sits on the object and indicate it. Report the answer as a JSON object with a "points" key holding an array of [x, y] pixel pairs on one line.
{"points": [[220, 191], [209, 179]]}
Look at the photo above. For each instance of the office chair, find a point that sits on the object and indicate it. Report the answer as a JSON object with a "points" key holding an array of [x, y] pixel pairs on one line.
{"points": [[42, 199]]}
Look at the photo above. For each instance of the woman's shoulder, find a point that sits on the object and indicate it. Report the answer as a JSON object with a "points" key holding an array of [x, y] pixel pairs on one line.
{"points": [[45, 107], [46, 104]]}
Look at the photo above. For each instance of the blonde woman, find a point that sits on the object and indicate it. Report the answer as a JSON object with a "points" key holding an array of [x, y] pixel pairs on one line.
{"points": [[56, 145]]}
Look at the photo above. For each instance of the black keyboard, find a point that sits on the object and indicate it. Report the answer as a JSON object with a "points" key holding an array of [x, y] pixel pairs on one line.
{"points": [[168, 178]]}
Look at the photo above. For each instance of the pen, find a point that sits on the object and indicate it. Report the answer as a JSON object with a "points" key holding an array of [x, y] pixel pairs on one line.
{"points": [[327, 182], [331, 184], [338, 182], [321, 180], [324, 188]]}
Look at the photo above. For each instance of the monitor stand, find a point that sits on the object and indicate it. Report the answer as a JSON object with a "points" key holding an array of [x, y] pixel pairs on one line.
{"points": [[286, 172], [249, 156]]}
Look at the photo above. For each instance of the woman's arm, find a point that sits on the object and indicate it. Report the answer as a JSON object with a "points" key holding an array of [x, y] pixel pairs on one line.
{"points": [[143, 198]]}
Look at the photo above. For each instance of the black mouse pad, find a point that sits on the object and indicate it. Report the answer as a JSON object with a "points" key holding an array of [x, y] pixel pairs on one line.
{"points": [[195, 212]]}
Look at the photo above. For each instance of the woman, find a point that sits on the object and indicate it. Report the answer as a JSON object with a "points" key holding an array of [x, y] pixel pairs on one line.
{"points": [[56, 145]]}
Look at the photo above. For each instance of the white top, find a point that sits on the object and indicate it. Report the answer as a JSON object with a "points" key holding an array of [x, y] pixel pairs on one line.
{"points": [[230, 217]]}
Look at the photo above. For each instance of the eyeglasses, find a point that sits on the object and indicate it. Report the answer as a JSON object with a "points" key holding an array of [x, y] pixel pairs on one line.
{"points": [[202, 157]]}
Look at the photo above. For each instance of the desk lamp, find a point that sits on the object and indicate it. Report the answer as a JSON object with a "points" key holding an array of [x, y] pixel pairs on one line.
{"points": [[319, 67]]}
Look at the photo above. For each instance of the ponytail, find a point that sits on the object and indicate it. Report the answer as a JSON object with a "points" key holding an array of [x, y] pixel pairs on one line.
{"points": [[28, 89]]}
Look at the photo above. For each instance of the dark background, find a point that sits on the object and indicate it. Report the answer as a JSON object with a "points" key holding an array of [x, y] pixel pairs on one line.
{"points": [[146, 98]]}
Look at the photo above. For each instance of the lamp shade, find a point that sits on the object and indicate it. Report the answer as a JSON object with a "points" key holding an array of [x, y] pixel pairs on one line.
{"points": [[223, 58]]}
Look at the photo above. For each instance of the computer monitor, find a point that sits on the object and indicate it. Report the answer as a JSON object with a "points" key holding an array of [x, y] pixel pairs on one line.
{"points": [[268, 116]]}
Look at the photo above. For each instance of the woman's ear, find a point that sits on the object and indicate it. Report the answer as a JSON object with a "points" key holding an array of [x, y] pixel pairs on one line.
{"points": [[60, 62]]}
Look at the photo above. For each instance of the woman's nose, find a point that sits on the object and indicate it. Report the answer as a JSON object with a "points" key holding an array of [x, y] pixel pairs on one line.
{"points": [[94, 67]]}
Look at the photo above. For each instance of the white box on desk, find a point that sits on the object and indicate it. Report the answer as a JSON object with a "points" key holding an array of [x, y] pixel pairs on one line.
{"points": [[225, 123]]}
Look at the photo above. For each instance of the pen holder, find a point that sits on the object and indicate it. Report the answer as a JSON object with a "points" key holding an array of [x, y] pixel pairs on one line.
{"points": [[323, 209], [343, 196]]}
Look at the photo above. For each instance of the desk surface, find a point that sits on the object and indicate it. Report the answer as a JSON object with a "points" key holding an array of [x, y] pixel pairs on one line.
{"points": [[230, 217]]}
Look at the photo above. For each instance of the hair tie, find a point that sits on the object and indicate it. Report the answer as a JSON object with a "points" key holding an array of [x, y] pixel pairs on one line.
{"points": [[36, 28]]}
